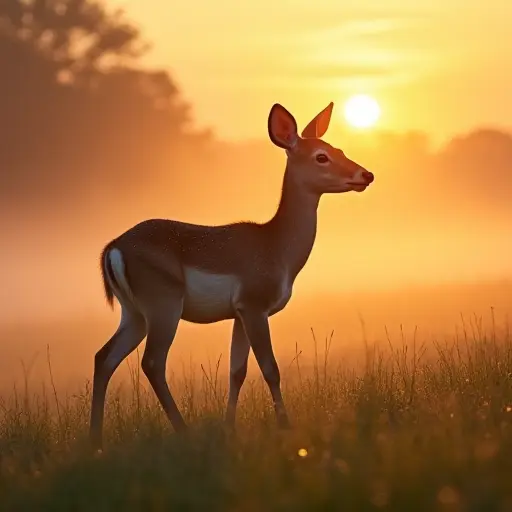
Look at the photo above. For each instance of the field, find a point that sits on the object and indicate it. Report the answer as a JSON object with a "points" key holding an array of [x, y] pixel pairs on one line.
{"points": [[411, 427]]}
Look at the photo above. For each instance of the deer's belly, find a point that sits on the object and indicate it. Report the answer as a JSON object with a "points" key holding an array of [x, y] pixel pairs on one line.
{"points": [[208, 297], [212, 297]]}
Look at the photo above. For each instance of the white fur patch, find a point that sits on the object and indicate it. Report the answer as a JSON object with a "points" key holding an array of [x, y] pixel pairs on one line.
{"points": [[118, 268], [208, 297]]}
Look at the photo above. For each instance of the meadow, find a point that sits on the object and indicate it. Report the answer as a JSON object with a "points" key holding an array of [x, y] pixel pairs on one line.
{"points": [[410, 426]]}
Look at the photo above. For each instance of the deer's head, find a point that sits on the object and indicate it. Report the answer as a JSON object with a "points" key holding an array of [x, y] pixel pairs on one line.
{"points": [[315, 164]]}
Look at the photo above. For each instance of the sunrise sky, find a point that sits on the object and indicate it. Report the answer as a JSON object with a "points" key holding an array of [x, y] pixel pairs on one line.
{"points": [[434, 65]]}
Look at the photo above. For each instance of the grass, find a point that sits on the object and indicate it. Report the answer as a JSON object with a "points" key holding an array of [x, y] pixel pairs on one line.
{"points": [[408, 429]]}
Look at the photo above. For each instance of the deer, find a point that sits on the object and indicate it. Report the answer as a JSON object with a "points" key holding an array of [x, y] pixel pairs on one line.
{"points": [[164, 271]]}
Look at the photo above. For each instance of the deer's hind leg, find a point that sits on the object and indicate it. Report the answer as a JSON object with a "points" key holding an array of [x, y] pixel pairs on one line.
{"points": [[163, 314], [130, 333]]}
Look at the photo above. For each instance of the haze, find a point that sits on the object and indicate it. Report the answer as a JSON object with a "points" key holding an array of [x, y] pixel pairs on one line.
{"points": [[180, 132]]}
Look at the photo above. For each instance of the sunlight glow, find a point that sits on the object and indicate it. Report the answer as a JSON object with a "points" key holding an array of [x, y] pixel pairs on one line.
{"points": [[362, 111]]}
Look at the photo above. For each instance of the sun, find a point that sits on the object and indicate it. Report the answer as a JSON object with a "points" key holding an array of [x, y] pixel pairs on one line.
{"points": [[362, 111]]}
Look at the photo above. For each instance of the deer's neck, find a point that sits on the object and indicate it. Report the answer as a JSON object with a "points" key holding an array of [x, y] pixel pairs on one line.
{"points": [[294, 224]]}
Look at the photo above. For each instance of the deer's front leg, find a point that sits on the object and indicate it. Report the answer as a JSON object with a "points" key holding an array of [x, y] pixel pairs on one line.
{"points": [[257, 330], [238, 368]]}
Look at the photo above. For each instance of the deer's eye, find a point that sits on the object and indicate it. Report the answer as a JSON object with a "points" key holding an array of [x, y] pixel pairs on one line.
{"points": [[322, 158]]}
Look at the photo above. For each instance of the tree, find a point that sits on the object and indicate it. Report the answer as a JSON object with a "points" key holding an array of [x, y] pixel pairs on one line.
{"points": [[76, 38], [79, 115]]}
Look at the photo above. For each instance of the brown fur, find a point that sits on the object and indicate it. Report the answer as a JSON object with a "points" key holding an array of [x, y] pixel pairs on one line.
{"points": [[259, 252]]}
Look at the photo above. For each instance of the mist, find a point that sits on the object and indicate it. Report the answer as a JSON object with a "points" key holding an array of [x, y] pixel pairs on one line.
{"points": [[93, 142]]}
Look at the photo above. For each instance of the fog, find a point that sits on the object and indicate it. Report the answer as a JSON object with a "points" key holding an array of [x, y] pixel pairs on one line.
{"points": [[84, 157]]}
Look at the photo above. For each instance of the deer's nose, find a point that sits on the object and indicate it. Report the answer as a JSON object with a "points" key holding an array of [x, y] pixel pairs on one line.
{"points": [[367, 176]]}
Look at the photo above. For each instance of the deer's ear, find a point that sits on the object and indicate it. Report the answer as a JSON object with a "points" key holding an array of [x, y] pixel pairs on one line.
{"points": [[282, 127], [319, 124]]}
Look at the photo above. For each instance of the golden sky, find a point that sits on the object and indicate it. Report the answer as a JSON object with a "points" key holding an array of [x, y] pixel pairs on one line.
{"points": [[434, 65]]}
